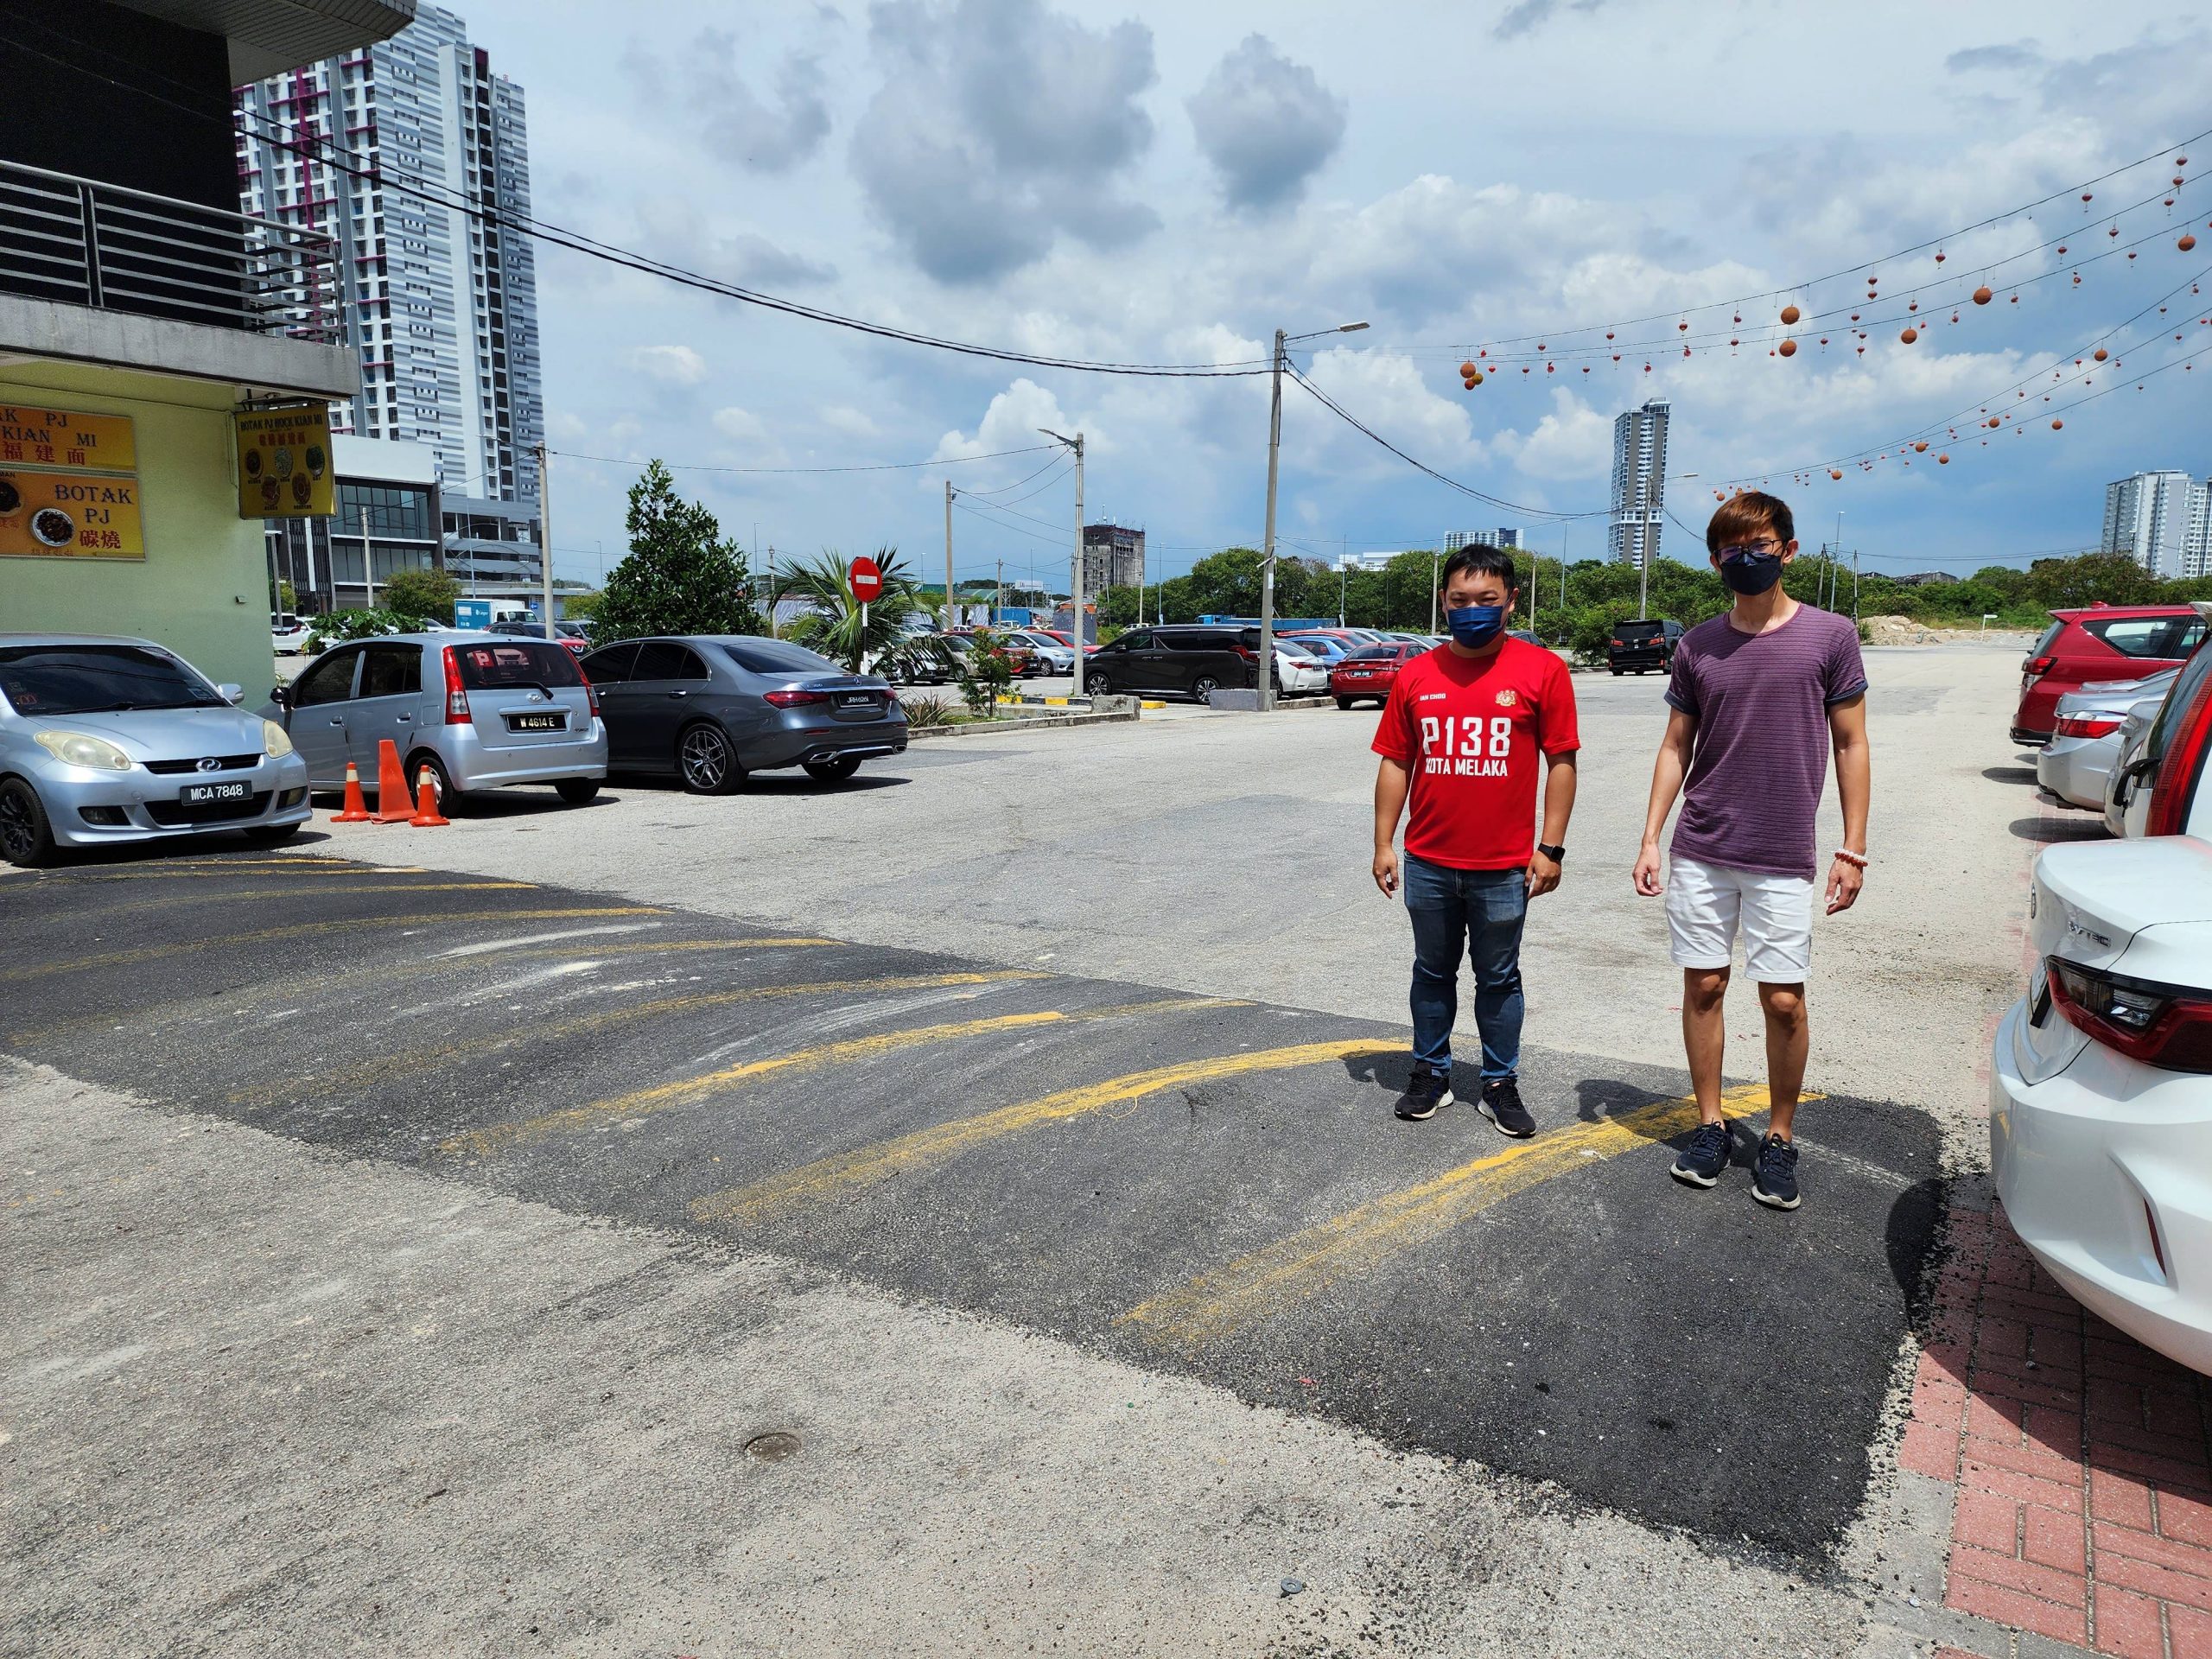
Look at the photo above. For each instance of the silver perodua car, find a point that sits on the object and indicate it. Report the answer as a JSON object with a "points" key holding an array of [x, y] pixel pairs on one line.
{"points": [[481, 711], [106, 739]]}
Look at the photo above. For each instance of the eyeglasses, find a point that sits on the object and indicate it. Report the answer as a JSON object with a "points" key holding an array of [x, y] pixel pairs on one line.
{"points": [[1752, 550]]}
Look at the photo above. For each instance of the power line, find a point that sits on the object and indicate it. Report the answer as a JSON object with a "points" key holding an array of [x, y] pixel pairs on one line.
{"points": [[877, 466]]}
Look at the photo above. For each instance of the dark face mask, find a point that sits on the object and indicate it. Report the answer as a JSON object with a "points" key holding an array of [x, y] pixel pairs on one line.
{"points": [[1474, 626], [1751, 573]]}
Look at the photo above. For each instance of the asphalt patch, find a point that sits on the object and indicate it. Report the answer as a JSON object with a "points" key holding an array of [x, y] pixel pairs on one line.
{"points": [[1241, 1206]]}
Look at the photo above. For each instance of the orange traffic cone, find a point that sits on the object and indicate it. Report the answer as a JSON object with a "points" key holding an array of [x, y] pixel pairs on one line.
{"points": [[392, 805], [426, 801], [356, 809]]}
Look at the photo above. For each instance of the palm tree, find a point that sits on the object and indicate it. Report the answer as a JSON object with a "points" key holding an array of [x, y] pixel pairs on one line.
{"points": [[833, 628]]}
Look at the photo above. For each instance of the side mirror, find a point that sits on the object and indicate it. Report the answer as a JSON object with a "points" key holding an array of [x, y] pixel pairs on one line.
{"points": [[281, 695], [2123, 787], [231, 692]]}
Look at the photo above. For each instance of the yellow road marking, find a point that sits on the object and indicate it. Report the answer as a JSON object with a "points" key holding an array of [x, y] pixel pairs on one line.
{"points": [[208, 1002], [848, 1172], [684, 1091], [421, 1058], [304, 930], [225, 895], [260, 866], [1280, 1274]]}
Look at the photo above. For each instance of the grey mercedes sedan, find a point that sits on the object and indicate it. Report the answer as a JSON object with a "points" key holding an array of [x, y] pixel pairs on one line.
{"points": [[711, 708], [105, 740]]}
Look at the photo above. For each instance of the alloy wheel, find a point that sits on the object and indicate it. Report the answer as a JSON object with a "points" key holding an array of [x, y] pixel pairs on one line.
{"points": [[705, 758], [1204, 687]]}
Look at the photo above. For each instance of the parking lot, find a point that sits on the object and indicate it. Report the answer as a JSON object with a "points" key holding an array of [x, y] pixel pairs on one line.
{"points": [[1008, 1126]]}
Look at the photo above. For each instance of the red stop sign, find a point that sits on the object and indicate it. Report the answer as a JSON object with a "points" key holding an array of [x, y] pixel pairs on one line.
{"points": [[867, 578]]}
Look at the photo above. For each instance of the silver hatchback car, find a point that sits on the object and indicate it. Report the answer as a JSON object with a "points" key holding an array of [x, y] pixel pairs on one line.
{"points": [[105, 740], [481, 711]]}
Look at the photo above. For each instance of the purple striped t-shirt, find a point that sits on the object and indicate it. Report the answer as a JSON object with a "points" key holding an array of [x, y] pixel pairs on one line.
{"points": [[1760, 758]]}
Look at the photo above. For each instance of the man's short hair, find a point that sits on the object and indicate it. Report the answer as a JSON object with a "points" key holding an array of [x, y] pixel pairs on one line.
{"points": [[1475, 559], [1741, 516]]}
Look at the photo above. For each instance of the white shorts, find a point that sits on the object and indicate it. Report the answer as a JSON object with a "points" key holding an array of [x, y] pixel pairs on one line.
{"points": [[1708, 904]]}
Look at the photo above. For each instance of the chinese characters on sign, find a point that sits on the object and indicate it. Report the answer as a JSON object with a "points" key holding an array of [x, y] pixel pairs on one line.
{"points": [[67, 484], [285, 469]]}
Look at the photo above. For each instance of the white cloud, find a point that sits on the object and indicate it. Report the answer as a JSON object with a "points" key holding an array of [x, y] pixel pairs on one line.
{"points": [[1012, 421], [672, 366], [1572, 440], [1266, 124], [850, 422]]}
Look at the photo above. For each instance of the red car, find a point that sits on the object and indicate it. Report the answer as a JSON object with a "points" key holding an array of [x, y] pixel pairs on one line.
{"points": [[1370, 671], [2107, 642]]}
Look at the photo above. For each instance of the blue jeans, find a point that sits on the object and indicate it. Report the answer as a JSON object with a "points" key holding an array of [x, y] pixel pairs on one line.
{"points": [[1479, 912]]}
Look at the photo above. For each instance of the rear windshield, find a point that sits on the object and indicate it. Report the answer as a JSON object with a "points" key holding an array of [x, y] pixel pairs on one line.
{"points": [[99, 679], [2166, 636], [1643, 629], [492, 665], [1373, 653], [776, 657]]}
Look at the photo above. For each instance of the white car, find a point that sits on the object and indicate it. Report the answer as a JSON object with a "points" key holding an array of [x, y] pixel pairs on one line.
{"points": [[2100, 1082], [1046, 651], [1300, 672], [288, 634]]}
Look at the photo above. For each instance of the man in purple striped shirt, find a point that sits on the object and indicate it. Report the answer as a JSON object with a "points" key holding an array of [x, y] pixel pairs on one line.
{"points": [[1760, 695]]}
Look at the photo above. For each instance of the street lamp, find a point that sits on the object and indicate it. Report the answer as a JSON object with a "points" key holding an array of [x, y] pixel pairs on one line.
{"points": [[1266, 670], [1075, 584]]}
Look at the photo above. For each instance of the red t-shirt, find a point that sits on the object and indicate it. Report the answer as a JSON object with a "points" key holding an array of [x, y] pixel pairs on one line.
{"points": [[1470, 729]]}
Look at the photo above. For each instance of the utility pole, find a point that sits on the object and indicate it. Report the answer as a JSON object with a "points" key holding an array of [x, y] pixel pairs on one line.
{"points": [[1435, 564], [1075, 579], [544, 543], [1265, 681], [998, 599], [948, 617]]}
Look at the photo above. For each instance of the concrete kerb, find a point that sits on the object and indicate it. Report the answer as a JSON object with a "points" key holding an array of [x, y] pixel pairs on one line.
{"points": [[1246, 701], [1097, 715]]}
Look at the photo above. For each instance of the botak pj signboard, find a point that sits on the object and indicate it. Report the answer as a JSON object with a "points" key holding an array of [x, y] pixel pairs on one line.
{"points": [[68, 484], [284, 463]]}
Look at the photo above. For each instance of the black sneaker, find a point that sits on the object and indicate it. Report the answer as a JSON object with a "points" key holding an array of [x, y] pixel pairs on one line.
{"points": [[1501, 1104], [1706, 1156], [1775, 1184], [1427, 1092]]}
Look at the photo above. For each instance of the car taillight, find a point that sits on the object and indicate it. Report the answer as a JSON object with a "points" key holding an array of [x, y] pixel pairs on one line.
{"points": [[2087, 725], [2038, 665], [1245, 652], [457, 693], [1621, 643], [793, 698], [2168, 1026], [591, 691], [2179, 767]]}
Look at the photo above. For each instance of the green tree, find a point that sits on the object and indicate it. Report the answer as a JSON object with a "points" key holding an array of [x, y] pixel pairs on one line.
{"points": [[581, 608], [2114, 578], [680, 576], [833, 626], [422, 591]]}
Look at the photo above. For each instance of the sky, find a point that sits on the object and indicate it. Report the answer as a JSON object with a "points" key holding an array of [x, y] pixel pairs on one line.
{"points": [[1170, 184]]}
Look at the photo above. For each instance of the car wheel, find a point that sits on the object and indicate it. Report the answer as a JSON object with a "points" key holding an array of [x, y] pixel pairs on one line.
{"points": [[26, 839], [832, 772], [1204, 687], [268, 835], [1343, 703], [707, 761], [576, 791], [1098, 685], [450, 802], [1616, 673]]}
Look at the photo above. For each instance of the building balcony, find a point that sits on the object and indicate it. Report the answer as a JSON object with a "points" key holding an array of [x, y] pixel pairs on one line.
{"points": [[93, 272]]}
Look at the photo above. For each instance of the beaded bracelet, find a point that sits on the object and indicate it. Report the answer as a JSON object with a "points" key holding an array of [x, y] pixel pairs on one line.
{"points": [[1857, 861]]}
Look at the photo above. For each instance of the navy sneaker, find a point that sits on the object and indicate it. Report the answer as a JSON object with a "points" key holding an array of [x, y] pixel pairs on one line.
{"points": [[1706, 1156], [1428, 1091], [1775, 1184], [1501, 1104]]}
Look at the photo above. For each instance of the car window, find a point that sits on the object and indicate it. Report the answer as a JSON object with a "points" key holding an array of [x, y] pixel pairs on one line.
{"points": [[611, 666], [1636, 632], [86, 679], [491, 665], [1196, 641], [1140, 639], [779, 657], [2177, 703], [1373, 654], [392, 670], [330, 680], [665, 659], [2139, 636]]}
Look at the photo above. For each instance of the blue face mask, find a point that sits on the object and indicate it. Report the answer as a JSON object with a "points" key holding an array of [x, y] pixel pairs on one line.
{"points": [[1474, 626]]}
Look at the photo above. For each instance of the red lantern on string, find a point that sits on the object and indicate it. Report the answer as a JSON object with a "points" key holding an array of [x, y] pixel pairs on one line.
{"points": [[2186, 243], [2062, 247], [1609, 333], [1921, 448], [1942, 461], [1915, 306], [1997, 420], [1982, 296], [2099, 354], [1540, 344], [1824, 340], [2085, 195], [2055, 425], [1466, 368], [1789, 313], [1909, 335], [1683, 327], [1548, 367], [1939, 256], [1787, 348], [1474, 379], [1833, 472], [2077, 279], [1686, 351]]}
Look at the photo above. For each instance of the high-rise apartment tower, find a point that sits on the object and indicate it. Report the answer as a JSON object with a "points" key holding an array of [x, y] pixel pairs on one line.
{"points": [[1639, 506], [2150, 517]]}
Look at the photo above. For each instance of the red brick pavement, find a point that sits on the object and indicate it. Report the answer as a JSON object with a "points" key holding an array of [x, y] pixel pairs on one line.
{"points": [[2082, 1461]]}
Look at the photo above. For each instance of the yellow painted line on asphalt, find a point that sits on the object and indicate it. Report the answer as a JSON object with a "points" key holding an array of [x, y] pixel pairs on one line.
{"points": [[309, 930], [1281, 1274], [264, 866], [663, 948], [421, 1058], [226, 895], [684, 1091], [849, 1171]]}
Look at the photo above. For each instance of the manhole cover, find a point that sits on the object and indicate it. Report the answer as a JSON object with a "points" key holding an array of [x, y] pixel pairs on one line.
{"points": [[774, 1447]]}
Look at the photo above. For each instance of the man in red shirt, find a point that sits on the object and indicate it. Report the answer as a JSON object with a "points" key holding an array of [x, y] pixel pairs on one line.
{"points": [[1461, 733]]}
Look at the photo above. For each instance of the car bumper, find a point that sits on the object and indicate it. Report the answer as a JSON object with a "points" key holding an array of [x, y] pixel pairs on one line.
{"points": [[797, 745], [84, 808], [472, 765], [2104, 1168], [2074, 769], [2028, 738]]}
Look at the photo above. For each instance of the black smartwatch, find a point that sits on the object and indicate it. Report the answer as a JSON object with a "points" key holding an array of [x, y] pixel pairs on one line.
{"points": [[1557, 855]]}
